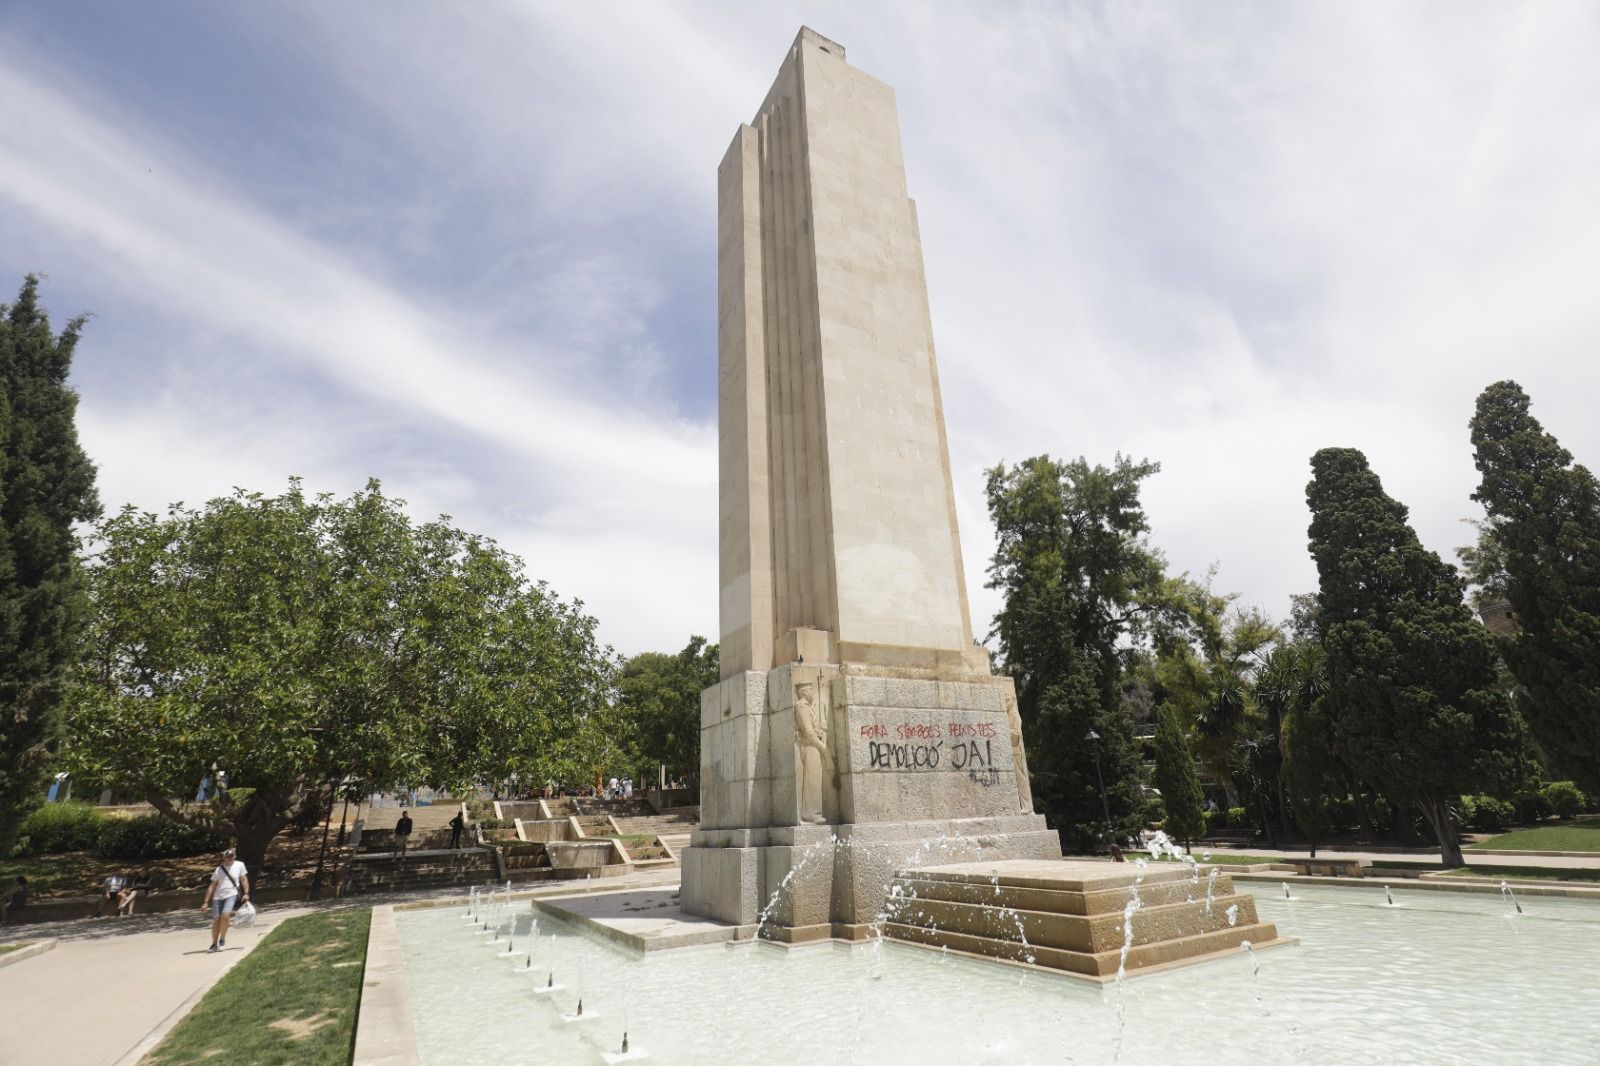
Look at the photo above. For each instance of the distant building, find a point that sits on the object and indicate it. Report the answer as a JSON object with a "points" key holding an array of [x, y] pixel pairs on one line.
{"points": [[1496, 615]]}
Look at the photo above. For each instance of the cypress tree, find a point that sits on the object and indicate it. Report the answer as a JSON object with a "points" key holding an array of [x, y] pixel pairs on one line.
{"points": [[1544, 511], [46, 485], [1411, 673], [1175, 777]]}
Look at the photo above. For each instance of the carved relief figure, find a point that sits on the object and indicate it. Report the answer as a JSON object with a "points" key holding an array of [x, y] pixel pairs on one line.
{"points": [[811, 745], [1008, 696]]}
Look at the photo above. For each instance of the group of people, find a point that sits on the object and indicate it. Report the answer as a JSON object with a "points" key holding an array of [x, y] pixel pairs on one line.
{"points": [[122, 891], [620, 789]]}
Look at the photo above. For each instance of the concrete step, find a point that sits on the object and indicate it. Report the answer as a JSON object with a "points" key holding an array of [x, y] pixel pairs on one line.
{"points": [[1070, 915], [1097, 964], [1076, 932], [1062, 899]]}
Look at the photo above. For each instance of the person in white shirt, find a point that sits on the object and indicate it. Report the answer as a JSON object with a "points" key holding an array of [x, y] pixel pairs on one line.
{"points": [[113, 891], [229, 887]]}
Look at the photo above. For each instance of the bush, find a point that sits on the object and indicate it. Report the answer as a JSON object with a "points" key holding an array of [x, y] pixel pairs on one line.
{"points": [[1238, 818], [1487, 814], [1343, 814], [58, 827], [1532, 805], [1564, 799], [152, 836], [1155, 810]]}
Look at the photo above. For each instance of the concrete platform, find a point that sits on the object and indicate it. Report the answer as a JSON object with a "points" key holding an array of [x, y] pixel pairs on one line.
{"points": [[646, 920], [1070, 915]]}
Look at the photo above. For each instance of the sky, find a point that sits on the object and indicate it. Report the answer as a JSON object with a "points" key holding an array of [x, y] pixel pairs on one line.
{"points": [[470, 250]]}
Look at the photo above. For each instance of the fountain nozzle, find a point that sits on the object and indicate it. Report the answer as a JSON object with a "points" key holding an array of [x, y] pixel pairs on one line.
{"points": [[580, 1009], [624, 1041]]}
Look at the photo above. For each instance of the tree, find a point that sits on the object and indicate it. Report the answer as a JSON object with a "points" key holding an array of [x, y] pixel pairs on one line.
{"points": [[1411, 674], [658, 700], [46, 485], [1175, 777], [1312, 771], [1544, 547], [1081, 586], [301, 644]]}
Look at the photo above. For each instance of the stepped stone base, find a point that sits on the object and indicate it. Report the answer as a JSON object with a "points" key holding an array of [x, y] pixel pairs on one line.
{"points": [[807, 882], [1070, 916]]}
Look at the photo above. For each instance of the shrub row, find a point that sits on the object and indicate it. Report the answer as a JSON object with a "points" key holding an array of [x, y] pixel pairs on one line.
{"points": [[58, 827]]}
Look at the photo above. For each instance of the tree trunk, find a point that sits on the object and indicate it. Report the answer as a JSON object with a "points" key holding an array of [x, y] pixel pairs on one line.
{"points": [[1404, 831], [254, 826], [1437, 813]]}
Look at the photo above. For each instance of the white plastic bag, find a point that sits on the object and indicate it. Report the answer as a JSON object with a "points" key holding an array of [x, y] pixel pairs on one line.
{"points": [[244, 915]]}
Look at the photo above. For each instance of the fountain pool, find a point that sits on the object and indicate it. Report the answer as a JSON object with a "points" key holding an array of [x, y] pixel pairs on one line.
{"points": [[1439, 977]]}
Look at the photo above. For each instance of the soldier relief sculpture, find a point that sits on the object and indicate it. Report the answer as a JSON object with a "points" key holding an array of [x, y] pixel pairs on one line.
{"points": [[811, 747]]}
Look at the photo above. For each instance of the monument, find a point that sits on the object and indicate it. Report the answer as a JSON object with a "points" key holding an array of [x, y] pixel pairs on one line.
{"points": [[858, 728]]}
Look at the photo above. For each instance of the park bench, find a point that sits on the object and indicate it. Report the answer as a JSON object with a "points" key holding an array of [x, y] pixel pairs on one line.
{"points": [[1330, 867]]}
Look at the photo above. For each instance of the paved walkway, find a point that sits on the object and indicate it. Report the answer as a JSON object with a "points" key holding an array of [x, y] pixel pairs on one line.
{"points": [[112, 987], [109, 984]]}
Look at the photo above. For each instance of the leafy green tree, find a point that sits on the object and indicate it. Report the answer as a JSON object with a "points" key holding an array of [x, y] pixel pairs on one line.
{"points": [[1544, 515], [1297, 678], [46, 485], [303, 643], [1411, 674], [658, 700], [1082, 585], [1175, 777]]}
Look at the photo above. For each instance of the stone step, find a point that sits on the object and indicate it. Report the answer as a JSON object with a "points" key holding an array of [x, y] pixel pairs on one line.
{"points": [[1102, 964], [435, 816], [1070, 914], [1061, 900], [1074, 932]]}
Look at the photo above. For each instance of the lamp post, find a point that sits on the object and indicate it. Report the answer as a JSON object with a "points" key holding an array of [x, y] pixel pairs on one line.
{"points": [[1105, 806]]}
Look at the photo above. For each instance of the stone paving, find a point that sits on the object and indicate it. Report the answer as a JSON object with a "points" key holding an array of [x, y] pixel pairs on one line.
{"points": [[112, 987]]}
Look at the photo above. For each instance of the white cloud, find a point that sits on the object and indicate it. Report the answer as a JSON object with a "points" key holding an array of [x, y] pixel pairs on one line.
{"points": [[1218, 238]]}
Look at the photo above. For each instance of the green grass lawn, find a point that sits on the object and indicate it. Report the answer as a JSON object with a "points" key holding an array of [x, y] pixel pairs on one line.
{"points": [[1580, 834], [292, 1000], [11, 947], [1526, 873]]}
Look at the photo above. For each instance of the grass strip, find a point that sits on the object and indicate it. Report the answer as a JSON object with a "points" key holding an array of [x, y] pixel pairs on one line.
{"points": [[1580, 835], [291, 1001], [13, 947], [1489, 873]]}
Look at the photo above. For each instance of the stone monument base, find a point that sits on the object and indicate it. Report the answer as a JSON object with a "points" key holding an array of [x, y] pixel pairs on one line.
{"points": [[808, 882], [1073, 916]]}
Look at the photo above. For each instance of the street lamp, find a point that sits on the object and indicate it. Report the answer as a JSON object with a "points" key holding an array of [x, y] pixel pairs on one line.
{"points": [[1105, 806]]}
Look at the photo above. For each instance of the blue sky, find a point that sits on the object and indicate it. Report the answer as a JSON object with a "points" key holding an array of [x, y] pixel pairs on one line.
{"points": [[469, 249]]}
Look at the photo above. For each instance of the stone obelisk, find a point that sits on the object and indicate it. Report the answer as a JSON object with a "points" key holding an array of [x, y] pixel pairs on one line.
{"points": [[857, 729]]}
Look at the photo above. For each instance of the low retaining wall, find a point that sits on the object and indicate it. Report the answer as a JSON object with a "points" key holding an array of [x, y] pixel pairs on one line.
{"points": [[61, 910]]}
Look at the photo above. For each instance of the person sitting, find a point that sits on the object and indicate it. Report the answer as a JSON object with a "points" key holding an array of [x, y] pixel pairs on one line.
{"points": [[132, 889], [15, 898], [112, 896]]}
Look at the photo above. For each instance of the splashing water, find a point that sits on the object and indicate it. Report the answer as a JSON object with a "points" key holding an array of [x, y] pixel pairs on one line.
{"points": [[1211, 885], [1388, 895], [1233, 915], [1286, 891], [1128, 911], [1505, 891]]}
